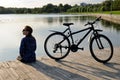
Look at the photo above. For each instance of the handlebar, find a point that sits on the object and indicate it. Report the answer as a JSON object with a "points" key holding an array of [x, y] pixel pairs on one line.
{"points": [[91, 23]]}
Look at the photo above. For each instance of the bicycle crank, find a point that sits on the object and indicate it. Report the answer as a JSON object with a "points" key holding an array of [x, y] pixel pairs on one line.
{"points": [[74, 48]]}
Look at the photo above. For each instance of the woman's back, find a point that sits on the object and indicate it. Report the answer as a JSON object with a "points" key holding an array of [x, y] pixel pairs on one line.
{"points": [[28, 46]]}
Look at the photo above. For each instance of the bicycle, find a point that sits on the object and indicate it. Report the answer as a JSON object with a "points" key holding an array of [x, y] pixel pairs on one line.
{"points": [[58, 45]]}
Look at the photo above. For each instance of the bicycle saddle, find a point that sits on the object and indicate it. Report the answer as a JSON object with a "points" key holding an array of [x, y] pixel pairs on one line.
{"points": [[67, 24]]}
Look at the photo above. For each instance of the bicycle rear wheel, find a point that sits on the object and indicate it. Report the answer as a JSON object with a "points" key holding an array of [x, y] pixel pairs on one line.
{"points": [[101, 48], [57, 46]]}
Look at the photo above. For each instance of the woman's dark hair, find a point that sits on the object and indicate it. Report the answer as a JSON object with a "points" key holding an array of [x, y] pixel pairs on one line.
{"points": [[29, 29]]}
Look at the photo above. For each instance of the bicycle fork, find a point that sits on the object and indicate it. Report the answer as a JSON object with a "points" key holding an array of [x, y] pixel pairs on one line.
{"points": [[99, 43]]}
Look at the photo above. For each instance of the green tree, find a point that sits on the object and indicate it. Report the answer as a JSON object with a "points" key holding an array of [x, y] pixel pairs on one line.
{"points": [[74, 8], [61, 8], [50, 8], [116, 5], [66, 7], [107, 5]]}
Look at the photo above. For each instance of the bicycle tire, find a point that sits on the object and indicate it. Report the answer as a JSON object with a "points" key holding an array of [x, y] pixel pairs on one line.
{"points": [[46, 45], [94, 54]]}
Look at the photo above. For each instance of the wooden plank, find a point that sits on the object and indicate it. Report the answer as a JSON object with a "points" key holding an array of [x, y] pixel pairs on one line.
{"points": [[12, 74], [31, 72], [53, 71], [36, 72], [5, 75], [80, 65], [22, 72]]}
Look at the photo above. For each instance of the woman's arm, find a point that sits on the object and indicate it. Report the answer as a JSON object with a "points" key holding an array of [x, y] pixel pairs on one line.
{"points": [[22, 47]]}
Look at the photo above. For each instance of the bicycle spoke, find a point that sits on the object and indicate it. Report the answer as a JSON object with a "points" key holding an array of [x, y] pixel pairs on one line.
{"points": [[101, 48], [55, 46]]}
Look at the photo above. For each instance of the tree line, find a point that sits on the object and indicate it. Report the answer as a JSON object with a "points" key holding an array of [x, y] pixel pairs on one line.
{"points": [[107, 5]]}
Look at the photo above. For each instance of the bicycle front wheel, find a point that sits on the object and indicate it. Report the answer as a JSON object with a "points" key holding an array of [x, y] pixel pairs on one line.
{"points": [[57, 46], [101, 48]]}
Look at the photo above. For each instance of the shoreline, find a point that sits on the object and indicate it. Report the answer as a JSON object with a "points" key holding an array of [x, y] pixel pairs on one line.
{"points": [[109, 17]]}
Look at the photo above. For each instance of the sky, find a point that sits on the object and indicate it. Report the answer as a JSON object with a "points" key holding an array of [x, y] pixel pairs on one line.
{"points": [[40, 3]]}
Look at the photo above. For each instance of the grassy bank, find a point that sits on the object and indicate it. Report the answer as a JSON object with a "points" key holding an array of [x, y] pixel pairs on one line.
{"points": [[104, 12], [113, 12], [115, 18], [112, 16]]}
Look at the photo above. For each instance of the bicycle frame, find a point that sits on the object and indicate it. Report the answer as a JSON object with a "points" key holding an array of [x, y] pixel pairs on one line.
{"points": [[90, 29], [65, 43], [72, 33]]}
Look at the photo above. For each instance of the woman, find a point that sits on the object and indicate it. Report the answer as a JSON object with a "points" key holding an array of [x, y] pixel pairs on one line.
{"points": [[27, 46]]}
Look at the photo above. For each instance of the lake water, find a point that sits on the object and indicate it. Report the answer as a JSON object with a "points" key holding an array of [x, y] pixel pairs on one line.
{"points": [[11, 26]]}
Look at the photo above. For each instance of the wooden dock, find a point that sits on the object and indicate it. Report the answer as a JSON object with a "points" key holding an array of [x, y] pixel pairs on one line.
{"points": [[77, 66]]}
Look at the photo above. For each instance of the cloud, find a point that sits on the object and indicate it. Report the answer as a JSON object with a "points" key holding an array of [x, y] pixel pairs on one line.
{"points": [[40, 3]]}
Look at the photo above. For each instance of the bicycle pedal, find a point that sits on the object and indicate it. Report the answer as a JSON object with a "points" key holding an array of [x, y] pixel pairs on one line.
{"points": [[81, 48]]}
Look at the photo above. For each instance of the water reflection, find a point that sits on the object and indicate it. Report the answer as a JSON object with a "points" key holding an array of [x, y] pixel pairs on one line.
{"points": [[12, 25], [81, 19], [75, 19], [111, 25], [62, 19]]}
